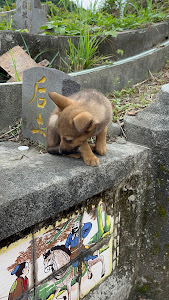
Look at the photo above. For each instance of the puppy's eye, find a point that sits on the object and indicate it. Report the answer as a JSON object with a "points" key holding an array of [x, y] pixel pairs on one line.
{"points": [[67, 141]]}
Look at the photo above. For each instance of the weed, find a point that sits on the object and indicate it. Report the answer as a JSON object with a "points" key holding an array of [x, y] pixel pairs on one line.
{"points": [[14, 65], [27, 49], [84, 55], [125, 100]]}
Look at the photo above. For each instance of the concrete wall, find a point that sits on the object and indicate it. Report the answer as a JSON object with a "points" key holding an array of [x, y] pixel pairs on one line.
{"points": [[45, 197], [151, 128], [10, 104]]}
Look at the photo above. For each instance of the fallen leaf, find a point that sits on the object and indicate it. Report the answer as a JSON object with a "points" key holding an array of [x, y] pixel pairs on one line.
{"points": [[131, 113]]}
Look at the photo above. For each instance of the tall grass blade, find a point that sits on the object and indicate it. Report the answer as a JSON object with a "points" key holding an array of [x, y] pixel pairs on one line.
{"points": [[27, 49], [14, 65]]}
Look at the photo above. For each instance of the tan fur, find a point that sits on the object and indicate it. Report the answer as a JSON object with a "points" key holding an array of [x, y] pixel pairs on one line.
{"points": [[76, 119]]}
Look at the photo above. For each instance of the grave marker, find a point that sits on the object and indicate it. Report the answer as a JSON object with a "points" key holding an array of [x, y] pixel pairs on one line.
{"points": [[29, 15], [36, 104]]}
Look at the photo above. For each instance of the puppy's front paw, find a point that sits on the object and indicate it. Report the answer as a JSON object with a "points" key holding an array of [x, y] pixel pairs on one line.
{"points": [[100, 149], [91, 161]]}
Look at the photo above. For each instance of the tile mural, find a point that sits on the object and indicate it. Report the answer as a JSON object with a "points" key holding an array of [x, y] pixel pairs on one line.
{"points": [[59, 249], [69, 262], [16, 269]]}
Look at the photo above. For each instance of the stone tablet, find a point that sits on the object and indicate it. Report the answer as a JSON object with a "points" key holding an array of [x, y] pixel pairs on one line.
{"points": [[29, 15], [36, 104]]}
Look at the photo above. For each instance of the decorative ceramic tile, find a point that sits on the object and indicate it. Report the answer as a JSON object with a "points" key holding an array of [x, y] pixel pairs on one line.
{"points": [[16, 269], [59, 249], [116, 240], [96, 224], [63, 285], [96, 268], [57, 246]]}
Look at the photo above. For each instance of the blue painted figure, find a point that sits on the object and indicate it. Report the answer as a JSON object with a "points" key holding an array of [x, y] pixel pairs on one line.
{"points": [[75, 244]]}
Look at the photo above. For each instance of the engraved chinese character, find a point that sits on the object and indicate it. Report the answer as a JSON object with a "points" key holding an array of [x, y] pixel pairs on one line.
{"points": [[39, 130]]}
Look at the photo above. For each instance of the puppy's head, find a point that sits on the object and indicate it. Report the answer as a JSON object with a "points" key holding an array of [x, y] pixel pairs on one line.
{"points": [[75, 125]]}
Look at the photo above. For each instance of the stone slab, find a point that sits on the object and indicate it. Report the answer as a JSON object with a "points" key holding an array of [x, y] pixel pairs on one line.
{"points": [[36, 104], [29, 15], [10, 104], [22, 60], [40, 186]]}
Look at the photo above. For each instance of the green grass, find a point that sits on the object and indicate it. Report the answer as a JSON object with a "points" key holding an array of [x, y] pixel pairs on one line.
{"points": [[72, 20], [77, 21], [84, 55], [14, 65]]}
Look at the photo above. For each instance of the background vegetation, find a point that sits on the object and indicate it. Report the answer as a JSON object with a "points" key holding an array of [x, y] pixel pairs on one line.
{"points": [[93, 25]]}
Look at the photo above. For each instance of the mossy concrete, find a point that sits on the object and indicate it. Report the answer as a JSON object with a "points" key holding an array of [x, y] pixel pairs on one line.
{"points": [[151, 128]]}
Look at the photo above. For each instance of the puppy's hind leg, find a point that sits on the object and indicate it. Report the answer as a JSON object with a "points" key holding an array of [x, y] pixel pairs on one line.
{"points": [[100, 147]]}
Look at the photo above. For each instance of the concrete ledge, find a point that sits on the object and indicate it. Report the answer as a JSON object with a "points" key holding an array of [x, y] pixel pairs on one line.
{"points": [[134, 69], [40, 186]]}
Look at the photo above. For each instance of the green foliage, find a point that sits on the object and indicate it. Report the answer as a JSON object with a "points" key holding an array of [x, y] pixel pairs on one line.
{"points": [[14, 65], [4, 25], [76, 22], [85, 54], [68, 19], [162, 212], [121, 102], [7, 4]]}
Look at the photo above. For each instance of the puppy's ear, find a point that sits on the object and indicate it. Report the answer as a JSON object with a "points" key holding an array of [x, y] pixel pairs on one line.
{"points": [[84, 122], [59, 100]]}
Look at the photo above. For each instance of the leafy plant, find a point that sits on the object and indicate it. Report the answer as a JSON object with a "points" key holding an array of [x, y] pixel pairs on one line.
{"points": [[77, 21], [85, 54]]}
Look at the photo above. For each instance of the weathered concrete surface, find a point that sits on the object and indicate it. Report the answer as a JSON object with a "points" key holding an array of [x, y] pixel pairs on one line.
{"points": [[133, 42], [113, 288], [10, 104], [151, 128], [42, 186]]}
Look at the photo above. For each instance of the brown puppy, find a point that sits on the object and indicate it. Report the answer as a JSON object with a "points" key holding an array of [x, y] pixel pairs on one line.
{"points": [[81, 116]]}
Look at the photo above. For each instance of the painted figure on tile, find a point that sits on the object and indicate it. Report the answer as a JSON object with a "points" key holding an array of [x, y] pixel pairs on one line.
{"points": [[20, 285], [55, 259], [74, 242], [60, 255]]}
